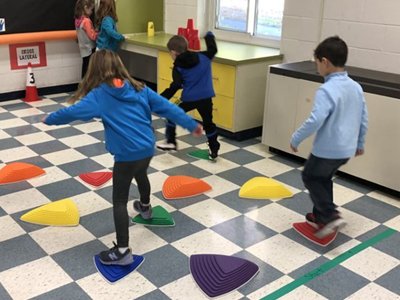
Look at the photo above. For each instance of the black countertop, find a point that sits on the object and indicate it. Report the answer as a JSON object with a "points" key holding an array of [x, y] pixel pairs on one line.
{"points": [[374, 82]]}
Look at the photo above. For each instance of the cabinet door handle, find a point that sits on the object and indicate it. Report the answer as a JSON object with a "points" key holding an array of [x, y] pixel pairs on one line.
{"points": [[215, 78]]}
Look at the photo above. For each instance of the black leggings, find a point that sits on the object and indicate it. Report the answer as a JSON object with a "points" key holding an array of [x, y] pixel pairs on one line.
{"points": [[123, 173], [205, 109]]}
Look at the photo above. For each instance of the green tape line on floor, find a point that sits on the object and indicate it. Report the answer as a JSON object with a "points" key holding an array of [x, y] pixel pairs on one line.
{"points": [[328, 265]]}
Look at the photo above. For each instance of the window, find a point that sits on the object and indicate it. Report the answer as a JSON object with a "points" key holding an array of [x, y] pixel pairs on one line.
{"points": [[259, 19]]}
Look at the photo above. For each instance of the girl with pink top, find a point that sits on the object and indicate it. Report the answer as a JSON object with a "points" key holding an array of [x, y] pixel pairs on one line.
{"points": [[86, 33]]}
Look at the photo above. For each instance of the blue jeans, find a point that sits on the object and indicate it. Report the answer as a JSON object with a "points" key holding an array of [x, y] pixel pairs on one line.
{"points": [[317, 177]]}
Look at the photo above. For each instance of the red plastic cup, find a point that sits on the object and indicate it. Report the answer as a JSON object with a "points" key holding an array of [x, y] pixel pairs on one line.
{"points": [[181, 31], [190, 24]]}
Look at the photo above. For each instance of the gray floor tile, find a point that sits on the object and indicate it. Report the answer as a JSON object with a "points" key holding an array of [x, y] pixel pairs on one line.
{"points": [[192, 140], [48, 147], [19, 250], [6, 116], [300, 203], [63, 132], [14, 187], [51, 108], [69, 291], [354, 185], [34, 119], [243, 231], [63, 189], [289, 161], [16, 106], [292, 178], [154, 295], [240, 144], [98, 135], [232, 200], [9, 143], [184, 226], [241, 157], [78, 167], [239, 175], [37, 161], [266, 275], [78, 261], [21, 130], [373, 209], [188, 170], [390, 280], [92, 149], [337, 283], [168, 263], [99, 223]]}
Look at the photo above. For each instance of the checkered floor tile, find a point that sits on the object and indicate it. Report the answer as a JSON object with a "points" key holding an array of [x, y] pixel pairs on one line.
{"points": [[41, 262]]}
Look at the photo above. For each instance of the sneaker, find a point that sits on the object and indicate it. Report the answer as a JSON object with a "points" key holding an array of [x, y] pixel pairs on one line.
{"points": [[310, 219], [165, 146], [213, 151], [145, 211], [114, 257], [331, 227]]}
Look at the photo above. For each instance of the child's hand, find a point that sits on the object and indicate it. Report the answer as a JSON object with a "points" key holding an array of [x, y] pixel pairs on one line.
{"points": [[294, 149], [198, 131], [44, 119], [359, 152]]}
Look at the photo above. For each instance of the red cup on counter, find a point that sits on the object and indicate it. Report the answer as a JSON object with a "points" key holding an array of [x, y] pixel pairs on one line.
{"points": [[190, 24], [181, 31]]}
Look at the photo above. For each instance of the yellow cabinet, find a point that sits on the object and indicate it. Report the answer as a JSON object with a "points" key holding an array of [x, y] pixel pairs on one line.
{"points": [[224, 79]]}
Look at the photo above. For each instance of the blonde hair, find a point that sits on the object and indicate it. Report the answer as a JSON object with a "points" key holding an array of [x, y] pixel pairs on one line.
{"points": [[106, 8], [104, 67]]}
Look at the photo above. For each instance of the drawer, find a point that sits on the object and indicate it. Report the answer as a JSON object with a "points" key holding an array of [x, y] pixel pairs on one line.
{"points": [[162, 84], [165, 64], [222, 112], [224, 77]]}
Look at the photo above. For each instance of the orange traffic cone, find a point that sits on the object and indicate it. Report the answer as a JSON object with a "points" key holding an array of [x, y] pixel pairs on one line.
{"points": [[31, 93]]}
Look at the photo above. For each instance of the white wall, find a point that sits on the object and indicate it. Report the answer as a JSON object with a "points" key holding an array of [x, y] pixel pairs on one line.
{"points": [[177, 12], [63, 67], [371, 29]]}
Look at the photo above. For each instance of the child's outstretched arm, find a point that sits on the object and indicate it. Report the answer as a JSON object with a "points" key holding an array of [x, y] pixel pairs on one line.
{"points": [[164, 108], [175, 85], [211, 45], [84, 110]]}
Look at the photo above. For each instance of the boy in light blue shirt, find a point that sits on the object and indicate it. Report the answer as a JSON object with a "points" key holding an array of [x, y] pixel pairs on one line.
{"points": [[339, 118]]}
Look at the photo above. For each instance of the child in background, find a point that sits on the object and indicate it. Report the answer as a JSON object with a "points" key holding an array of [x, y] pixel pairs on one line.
{"points": [[85, 31], [125, 107], [339, 118], [192, 74], [106, 20]]}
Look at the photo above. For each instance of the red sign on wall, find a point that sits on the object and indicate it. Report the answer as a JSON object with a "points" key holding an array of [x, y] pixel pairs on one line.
{"points": [[22, 54]]}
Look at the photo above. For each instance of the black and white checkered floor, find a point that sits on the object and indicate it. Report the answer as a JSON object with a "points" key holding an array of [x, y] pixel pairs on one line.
{"points": [[44, 262]]}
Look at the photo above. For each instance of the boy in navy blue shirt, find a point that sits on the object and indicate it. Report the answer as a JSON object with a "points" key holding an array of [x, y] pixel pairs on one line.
{"points": [[192, 74], [339, 118]]}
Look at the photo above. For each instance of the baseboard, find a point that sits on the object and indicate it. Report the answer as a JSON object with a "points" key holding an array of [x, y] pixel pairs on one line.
{"points": [[41, 91]]}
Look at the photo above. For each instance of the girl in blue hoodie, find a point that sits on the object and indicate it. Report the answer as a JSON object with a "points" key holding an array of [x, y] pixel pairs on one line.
{"points": [[125, 107], [106, 21]]}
